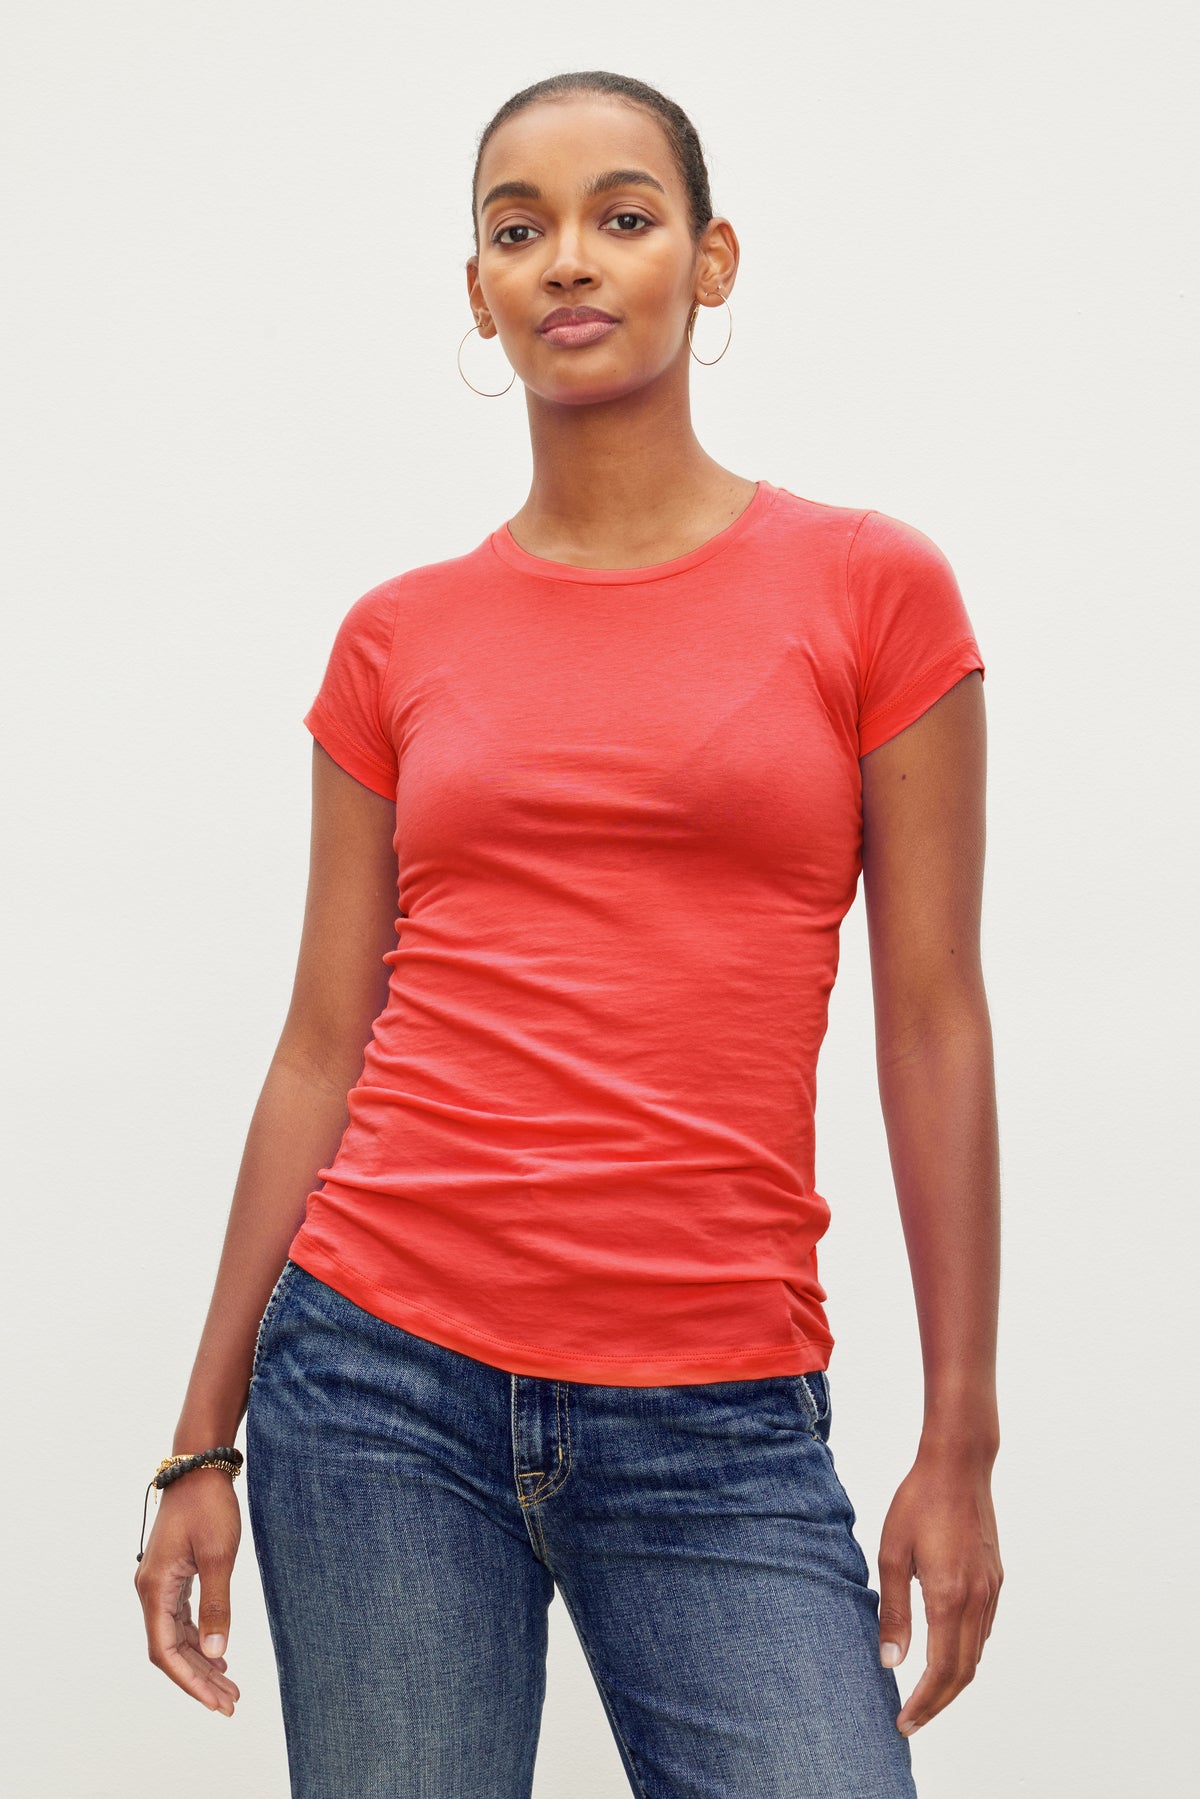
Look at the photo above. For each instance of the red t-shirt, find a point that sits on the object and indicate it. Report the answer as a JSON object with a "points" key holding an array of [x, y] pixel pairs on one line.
{"points": [[628, 827]]}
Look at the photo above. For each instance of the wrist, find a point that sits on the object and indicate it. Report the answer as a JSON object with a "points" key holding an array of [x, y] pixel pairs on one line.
{"points": [[964, 1441], [961, 1412]]}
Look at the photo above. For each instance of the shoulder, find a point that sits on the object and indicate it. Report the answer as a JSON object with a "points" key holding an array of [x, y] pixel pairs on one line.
{"points": [[881, 542], [382, 606], [897, 578], [821, 521], [428, 581], [864, 542]]}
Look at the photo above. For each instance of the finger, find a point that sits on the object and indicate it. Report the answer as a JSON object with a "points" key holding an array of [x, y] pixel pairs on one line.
{"points": [[991, 1616], [214, 1666], [169, 1650], [213, 1625], [218, 1684], [988, 1619], [954, 1657], [944, 1616], [895, 1606], [224, 1692], [971, 1646]]}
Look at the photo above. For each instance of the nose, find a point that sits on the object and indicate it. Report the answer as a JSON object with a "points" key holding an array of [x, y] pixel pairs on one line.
{"points": [[567, 265]]}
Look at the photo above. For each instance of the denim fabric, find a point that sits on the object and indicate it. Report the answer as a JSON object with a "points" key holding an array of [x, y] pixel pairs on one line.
{"points": [[414, 1512]]}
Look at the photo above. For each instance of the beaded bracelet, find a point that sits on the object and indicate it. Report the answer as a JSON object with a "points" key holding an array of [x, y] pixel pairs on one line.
{"points": [[172, 1466]]}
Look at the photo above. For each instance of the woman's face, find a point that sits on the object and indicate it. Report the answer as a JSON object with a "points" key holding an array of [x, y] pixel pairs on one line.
{"points": [[626, 250]]}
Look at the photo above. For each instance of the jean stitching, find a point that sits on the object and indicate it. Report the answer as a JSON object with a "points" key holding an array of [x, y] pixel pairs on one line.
{"points": [[553, 1478], [608, 1703], [814, 1410], [525, 1500], [268, 1314], [537, 1525], [562, 1412]]}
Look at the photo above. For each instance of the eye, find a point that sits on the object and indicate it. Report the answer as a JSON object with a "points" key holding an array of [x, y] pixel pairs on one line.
{"points": [[498, 237]]}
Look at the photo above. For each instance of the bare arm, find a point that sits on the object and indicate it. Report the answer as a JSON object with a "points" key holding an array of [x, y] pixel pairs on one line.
{"points": [[339, 990], [923, 857]]}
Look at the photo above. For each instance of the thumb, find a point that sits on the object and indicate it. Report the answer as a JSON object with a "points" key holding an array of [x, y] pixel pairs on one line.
{"points": [[895, 1607], [213, 1621]]}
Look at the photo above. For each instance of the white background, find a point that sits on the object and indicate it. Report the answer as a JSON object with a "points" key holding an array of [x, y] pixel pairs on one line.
{"points": [[234, 238]]}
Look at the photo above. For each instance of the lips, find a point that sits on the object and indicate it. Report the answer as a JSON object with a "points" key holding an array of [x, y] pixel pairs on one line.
{"points": [[575, 315]]}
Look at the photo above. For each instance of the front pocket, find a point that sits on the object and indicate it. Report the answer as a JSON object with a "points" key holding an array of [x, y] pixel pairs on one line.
{"points": [[268, 1313], [812, 1390]]}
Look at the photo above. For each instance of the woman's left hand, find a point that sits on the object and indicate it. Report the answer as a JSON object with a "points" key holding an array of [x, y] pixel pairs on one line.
{"points": [[940, 1527]]}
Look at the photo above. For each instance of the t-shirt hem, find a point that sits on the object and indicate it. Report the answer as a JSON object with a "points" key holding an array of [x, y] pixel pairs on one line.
{"points": [[904, 708], [802, 1356], [347, 754]]}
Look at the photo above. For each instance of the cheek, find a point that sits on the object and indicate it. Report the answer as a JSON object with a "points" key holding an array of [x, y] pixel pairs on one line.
{"points": [[656, 304], [658, 284], [507, 298]]}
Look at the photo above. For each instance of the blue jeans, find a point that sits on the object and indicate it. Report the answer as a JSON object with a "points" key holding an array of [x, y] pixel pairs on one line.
{"points": [[414, 1512]]}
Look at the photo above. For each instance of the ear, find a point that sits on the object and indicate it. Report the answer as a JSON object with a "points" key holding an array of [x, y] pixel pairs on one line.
{"points": [[720, 255], [479, 312]]}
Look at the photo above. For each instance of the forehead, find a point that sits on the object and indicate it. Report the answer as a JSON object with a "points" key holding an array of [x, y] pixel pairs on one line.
{"points": [[557, 144]]}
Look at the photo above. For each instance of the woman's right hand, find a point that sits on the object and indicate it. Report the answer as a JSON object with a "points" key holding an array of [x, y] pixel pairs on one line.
{"points": [[196, 1531]]}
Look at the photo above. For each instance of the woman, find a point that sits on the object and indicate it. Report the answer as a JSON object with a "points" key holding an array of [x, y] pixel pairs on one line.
{"points": [[550, 1319]]}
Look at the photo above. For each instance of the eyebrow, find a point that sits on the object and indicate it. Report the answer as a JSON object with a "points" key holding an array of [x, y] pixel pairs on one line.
{"points": [[597, 184]]}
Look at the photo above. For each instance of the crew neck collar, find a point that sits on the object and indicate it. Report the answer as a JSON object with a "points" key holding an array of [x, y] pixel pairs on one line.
{"points": [[509, 550]]}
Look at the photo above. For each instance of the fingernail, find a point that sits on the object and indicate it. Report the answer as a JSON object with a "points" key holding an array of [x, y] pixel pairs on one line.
{"points": [[889, 1655], [213, 1646], [908, 1730]]}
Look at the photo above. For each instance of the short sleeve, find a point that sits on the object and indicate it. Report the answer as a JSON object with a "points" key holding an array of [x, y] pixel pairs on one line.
{"points": [[915, 639], [347, 717]]}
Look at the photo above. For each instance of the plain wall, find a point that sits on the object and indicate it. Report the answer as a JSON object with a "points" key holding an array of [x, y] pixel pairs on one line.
{"points": [[234, 238]]}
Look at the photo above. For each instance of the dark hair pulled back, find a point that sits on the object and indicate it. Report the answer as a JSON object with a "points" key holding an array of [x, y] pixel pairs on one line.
{"points": [[681, 133]]}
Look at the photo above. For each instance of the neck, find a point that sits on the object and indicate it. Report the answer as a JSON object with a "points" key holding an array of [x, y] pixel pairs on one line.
{"points": [[615, 480]]}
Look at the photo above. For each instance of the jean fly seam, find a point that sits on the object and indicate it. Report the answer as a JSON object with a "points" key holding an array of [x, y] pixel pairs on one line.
{"points": [[562, 1419], [528, 1512], [554, 1478], [536, 1516]]}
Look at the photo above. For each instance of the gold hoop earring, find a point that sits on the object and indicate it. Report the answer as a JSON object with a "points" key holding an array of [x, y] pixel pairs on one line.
{"points": [[708, 361], [471, 384]]}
